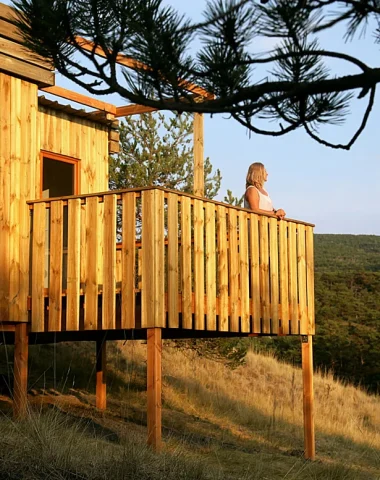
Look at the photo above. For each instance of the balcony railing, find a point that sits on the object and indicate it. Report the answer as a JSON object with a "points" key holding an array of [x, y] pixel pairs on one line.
{"points": [[153, 257]]}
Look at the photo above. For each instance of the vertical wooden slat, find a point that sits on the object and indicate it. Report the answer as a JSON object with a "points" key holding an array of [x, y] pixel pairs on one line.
{"points": [[274, 278], [101, 249], [222, 268], [154, 387], [83, 246], [264, 274], [56, 255], [92, 251], [284, 276], [199, 274], [310, 280], [292, 249], [153, 255], [233, 270], [38, 266], [173, 260], [186, 270], [128, 253], [20, 371], [302, 279], [308, 396], [199, 177], [73, 264], [244, 272], [210, 266], [5, 187], [254, 263], [109, 242], [28, 164], [14, 201]]}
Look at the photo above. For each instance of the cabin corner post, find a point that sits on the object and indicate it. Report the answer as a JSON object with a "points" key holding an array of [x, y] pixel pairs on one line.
{"points": [[199, 180], [20, 371], [154, 387], [308, 396], [101, 374]]}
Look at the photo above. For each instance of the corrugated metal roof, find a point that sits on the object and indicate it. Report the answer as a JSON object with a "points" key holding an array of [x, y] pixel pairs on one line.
{"points": [[94, 116]]}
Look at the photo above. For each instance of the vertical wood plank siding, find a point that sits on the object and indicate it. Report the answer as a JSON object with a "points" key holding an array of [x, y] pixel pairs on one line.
{"points": [[18, 152], [199, 280], [73, 264], [56, 273], [222, 268], [211, 266], [173, 265], [254, 263], [186, 263], [128, 262], [202, 266]]}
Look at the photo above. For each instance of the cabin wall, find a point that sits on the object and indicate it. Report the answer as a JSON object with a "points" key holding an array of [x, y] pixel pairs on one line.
{"points": [[18, 160], [26, 129], [79, 139]]}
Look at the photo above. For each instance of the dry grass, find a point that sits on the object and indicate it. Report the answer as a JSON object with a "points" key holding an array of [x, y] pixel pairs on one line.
{"points": [[243, 424]]}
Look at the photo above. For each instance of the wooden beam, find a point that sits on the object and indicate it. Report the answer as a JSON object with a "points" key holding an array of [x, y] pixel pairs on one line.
{"points": [[20, 371], [199, 180], [308, 396], [101, 374], [82, 99], [127, 110], [154, 387], [136, 65], [7, 30], [21, 69]]}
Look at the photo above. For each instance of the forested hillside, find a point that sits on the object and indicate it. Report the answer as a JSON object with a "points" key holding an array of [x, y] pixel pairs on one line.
{"points": [[347, 295]]}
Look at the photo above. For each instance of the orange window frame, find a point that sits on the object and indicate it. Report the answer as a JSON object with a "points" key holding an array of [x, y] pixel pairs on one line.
{"points": [[60, 158]]}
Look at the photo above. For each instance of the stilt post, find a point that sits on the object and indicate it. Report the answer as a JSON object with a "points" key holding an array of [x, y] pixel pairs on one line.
{"points": [[20, 371], [101, 374], [308, 396], [154, 387]]}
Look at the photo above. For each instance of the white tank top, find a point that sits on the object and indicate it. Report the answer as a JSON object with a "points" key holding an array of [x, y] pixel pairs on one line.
{"points": [[265, 202]]}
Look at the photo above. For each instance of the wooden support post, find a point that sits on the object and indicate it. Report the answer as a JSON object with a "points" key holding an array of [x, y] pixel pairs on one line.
{"points": [[199, 179], [20, 371], [154, 387], [308, 396], [101, 383]]}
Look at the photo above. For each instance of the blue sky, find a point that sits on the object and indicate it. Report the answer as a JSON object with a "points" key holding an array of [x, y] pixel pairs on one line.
{"points": [[338, 191]]}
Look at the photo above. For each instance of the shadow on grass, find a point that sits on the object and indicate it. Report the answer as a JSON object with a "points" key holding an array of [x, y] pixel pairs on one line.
{"points": [[243, 427]]}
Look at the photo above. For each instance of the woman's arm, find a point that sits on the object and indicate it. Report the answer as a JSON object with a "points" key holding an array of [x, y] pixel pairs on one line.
{"points": [[252, 196]]}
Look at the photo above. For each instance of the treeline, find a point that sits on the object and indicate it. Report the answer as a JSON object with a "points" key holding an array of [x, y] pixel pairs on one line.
{"points": [[347, 301]]}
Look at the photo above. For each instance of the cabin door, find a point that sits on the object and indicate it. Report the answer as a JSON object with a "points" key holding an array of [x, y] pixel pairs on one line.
{"points": [[59, 179]]}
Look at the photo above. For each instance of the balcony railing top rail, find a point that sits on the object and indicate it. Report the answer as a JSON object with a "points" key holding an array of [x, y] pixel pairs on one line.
{"points": [[139, 190]]}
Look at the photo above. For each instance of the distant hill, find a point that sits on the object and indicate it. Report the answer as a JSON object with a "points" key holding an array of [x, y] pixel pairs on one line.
{"points": [[342, 253]]}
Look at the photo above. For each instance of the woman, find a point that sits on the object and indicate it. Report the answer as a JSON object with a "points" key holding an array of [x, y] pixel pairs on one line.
{"points": [[256, 197]]}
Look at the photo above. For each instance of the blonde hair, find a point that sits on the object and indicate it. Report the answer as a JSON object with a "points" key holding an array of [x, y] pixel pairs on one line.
{"points": [[255, 175]]}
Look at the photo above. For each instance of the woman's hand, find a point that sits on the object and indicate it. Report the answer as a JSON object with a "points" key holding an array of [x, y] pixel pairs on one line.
{"points": [[280, 214]]}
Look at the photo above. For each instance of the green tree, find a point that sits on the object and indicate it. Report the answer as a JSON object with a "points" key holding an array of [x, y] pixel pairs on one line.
{"points": [[157, 150], [291, 84], [232, 200]]}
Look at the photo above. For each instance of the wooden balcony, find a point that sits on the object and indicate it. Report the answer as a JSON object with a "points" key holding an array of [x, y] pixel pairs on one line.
{"points": [[143, 258]]}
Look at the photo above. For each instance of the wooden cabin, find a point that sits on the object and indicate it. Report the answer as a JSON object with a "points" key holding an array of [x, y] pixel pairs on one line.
{"points": [[79, 262]]}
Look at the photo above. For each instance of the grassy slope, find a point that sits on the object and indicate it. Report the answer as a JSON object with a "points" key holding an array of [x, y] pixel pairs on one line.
{"points": [[218, 423]]}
